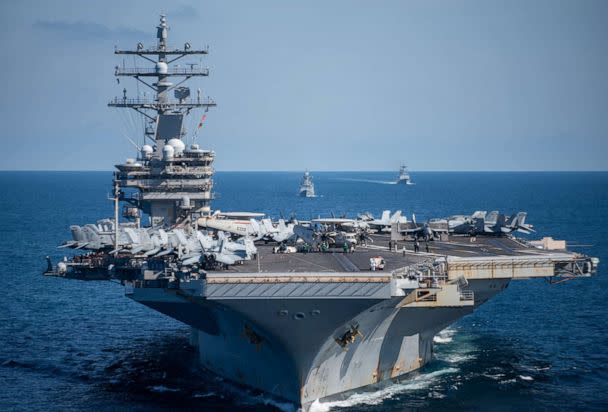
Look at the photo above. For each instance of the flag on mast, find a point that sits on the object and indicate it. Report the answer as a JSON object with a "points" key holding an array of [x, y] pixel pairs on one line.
{"points": [[202, 121]]}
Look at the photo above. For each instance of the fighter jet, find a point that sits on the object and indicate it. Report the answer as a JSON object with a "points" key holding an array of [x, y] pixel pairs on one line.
{"points": [[483, 223], [238, 215], [249, 228], [518, 223], [203, 249], [384, 223], [334, 231], [280, 232], [96, 236], [462, 224], [429, 230], [497, 223]]}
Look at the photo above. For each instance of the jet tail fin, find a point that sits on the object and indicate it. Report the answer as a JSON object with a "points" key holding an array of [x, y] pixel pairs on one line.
{"points": [[521, 218], [267, 225], [396, 216], [479, 214], [281, 225], [386, 215]]}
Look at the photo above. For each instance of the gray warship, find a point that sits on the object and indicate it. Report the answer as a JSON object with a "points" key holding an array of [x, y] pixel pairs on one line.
{"points": [[404, 176], [307, 187], [303, 311]]}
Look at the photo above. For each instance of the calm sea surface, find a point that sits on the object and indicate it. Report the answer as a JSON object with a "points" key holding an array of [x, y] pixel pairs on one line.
{"points": [[73, 345]]}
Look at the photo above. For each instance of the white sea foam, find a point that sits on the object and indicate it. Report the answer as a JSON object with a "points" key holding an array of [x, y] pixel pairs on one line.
{"points": [[456, 357], [445, 336], [204, 395], [380, 182], [436, 395], [526, 378], [162, 388], [495, 377], [374, 398], [267, 401]]}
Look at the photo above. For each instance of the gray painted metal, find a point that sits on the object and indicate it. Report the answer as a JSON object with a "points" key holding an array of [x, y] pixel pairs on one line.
{"points": [[302, 326]]}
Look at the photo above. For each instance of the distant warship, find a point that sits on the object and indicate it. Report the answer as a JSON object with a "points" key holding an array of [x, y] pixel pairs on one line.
{"points": [[300, 310], [404, 176], [307, 187]]}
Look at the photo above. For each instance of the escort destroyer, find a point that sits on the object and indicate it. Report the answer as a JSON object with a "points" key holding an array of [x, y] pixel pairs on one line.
{"points": [[404, 176], [307, 187]]}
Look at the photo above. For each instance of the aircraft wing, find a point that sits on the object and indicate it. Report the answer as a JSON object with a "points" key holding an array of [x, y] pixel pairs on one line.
{"points": [[333, 221], [241, 215], [304, 233]]}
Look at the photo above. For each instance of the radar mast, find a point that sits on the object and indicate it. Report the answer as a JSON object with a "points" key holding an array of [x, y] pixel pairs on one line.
{"points": [[169, 181]]}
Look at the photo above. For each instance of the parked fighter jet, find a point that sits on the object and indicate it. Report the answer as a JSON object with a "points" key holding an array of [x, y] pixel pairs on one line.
{"points": [[497, 223], [189, 247], [96, 236], [209, 251], [518, 222], [281, 232], [252, 229], [481, 222], [249, 228], [384, 223], [318, 237], [428, 231], [238, 215], [334, 231]]}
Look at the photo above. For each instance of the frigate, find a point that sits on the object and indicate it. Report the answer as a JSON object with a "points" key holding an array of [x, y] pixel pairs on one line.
{"points": [[307, 187], [404, 176], [301, 311]]}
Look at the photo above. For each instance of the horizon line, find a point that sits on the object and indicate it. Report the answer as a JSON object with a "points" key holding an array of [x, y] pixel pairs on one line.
{"points": [[328, 171]]}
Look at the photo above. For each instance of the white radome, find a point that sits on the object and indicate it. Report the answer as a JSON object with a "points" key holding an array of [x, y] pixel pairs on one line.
{"points": [[62, 267], [177, 145], [146, 151]]}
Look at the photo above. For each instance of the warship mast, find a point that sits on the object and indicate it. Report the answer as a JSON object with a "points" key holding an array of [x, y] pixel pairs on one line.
{"points": [[171, 182]]}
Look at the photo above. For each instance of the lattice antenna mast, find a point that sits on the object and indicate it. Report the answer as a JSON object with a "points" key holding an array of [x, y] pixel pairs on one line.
{"points": [[164, 112]]}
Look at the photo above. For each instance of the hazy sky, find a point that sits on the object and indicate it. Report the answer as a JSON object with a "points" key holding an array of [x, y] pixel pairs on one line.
{"points": [[323, 85]]}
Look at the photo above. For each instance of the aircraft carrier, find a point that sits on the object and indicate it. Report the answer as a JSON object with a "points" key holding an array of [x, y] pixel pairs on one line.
{"points": [[303, 311]]}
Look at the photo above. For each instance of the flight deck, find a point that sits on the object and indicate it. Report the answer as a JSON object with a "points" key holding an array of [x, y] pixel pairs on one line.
{"points": [[401, 254]]}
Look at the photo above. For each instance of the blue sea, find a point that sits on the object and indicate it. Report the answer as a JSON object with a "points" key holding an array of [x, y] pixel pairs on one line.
{"points": [[73, 345]]}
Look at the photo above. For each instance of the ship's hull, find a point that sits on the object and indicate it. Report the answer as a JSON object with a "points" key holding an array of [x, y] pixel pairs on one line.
{"points": [[307, 192], [288, 347]]}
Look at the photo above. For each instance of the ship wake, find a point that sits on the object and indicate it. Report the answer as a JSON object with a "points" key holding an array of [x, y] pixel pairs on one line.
{"points": [[421, 381], [378, 182]]}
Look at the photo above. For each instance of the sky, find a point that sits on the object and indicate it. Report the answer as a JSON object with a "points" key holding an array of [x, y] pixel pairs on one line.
{"points": [[320, 85]]}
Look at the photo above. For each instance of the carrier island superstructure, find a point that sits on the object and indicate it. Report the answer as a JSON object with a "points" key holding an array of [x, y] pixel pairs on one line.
{"points": [[292, 309]]}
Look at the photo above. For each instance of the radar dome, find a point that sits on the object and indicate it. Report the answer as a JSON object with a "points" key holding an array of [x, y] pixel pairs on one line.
{"points": [[162, 68], [178, 145], [146, 151], [168, 152], [62, 267]]}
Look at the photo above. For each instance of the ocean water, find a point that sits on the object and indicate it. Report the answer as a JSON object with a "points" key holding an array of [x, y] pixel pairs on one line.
{"points": [[73, 345]]}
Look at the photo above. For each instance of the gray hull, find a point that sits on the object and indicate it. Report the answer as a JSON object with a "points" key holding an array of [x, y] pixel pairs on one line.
{"points": [[287, 347]]}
